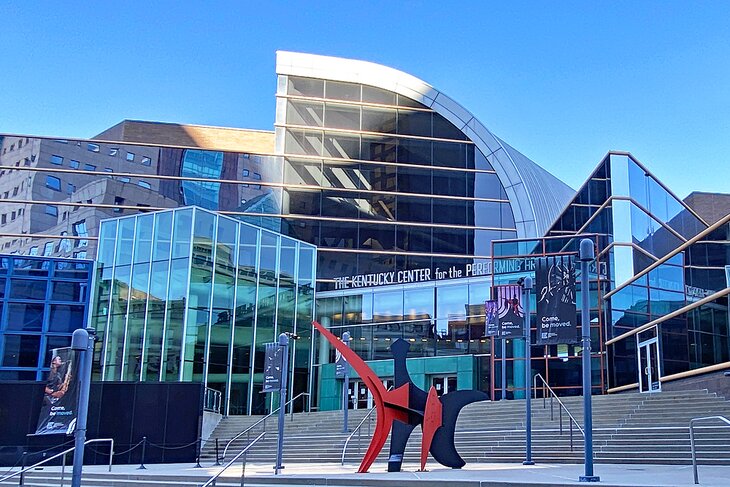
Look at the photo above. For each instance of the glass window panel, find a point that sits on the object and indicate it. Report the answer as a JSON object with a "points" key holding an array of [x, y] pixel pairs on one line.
{"points": [[21, 351], [66, 318], [308, 113], [387, 308], [450, 211], [443, 129], [371, 94], [163, 236], [414, 180], [449, 154], [379, 120], [338, 116], [414, 209], [449, 183], [69, 291], [303, 172], [143, 238], [306, 87], [107, 242], [414, 123], [304, 142], [377, 148], [415, 239], [342, 146], [126, 241], [25, 317], [183, 223], [487, 185], [28, 289], [176, 300], [336, 90], [155, 321], [376, 237], [415, 151]]}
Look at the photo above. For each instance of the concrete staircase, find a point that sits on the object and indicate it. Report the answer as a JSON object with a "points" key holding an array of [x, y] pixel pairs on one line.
{"points": [[628, 428]]}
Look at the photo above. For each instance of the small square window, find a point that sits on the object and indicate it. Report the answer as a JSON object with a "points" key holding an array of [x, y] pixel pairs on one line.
{"points": [[70, 188], [57, 160], [89, 167], [246, 172], [51, 210], [145, 184], [257, 176], [124, 179], [92, 147], [53, 183], [113, 151], [73, 164], [130, 156], [146, 161]]}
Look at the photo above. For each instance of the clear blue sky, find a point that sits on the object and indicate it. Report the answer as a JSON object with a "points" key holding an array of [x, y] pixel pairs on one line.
{"points": [[563, 82]]}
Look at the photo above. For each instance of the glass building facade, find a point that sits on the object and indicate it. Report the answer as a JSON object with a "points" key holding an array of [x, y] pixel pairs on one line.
{"points": [[190, 295], [42, 301]]}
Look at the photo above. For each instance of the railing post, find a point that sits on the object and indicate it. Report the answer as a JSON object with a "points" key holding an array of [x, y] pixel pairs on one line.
{"points": [[694, 452], [144, 449], [197, 457], [111, 453], [63, 468], [571, 436], [22, 467], [217, 459], [561, 421], [552, 418], [243, 470]]}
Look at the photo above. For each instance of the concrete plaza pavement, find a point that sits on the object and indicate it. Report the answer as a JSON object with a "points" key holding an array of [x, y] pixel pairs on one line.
{"points": [[473, 475]]}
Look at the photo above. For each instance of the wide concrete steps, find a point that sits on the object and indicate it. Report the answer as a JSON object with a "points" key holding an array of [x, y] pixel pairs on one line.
{"points": [[629, 428]]}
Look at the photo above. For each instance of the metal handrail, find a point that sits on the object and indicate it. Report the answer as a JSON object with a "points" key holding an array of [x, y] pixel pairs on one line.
{"points": [[212, 399], [248, 430], [357, 430], [63, 453], [573, 421], [692, 438], [211, 481]]}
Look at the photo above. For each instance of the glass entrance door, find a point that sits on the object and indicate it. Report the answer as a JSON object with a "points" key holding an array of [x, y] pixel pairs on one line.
{"points": [[360, 397], [443, 383], [649, 368]]}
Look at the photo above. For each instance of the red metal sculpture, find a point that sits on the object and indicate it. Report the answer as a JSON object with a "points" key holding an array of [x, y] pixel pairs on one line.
{"points": [[410, 406]]}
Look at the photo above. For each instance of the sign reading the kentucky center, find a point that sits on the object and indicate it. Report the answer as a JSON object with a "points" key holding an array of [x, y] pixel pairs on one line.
{"points": [[510, 311], [556, 309], [272, 367], [58, 413]]}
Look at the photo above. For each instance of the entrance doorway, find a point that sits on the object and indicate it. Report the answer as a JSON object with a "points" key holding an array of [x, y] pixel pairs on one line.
{"points": [[443, 383], [649, 367], [360, 397]]}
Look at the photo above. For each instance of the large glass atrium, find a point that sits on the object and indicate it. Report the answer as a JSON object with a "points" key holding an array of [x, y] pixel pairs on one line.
{"points": [[190, 295]]}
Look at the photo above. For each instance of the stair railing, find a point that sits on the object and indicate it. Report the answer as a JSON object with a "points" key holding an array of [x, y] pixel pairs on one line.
{"points": [[242, 453], [261, 421], [692, 423], [63, 454], [358, 430], [562, 408]]}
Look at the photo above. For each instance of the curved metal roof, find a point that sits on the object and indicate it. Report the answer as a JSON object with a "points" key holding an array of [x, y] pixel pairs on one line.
{"points": [[536, 196]]}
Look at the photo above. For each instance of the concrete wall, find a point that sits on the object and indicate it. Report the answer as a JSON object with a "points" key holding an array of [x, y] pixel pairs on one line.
{"points": [[209, 422], [715, 382], [421, 370]]}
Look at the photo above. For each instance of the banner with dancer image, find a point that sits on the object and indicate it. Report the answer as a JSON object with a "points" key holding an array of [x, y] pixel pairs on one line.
{"points": [[556, 308], [60, 398], [491, 325], [510, 311]]}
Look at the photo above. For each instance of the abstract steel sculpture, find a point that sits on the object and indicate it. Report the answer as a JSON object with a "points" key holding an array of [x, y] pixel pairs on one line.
{"points": [[405, 407]]}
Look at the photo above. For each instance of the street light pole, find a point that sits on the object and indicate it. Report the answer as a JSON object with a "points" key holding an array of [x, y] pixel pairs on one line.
{"points": [[527, 288], [82, 341], [284, 344], [345, 385], [587, 254]]}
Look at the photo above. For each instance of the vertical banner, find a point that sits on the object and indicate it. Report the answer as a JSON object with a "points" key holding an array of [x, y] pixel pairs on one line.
{"points": [[272, 367], [340, 365], [510, 311], [491, 323], [60, 398], [556, 310]]}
